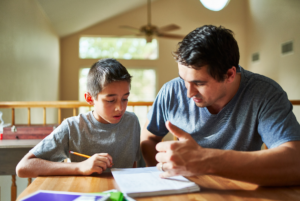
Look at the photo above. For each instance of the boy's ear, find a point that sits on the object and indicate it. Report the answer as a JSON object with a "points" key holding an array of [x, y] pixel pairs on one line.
{"points": [[88, 98]]}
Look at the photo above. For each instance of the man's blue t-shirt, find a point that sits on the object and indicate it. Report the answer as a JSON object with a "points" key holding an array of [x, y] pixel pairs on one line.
{"points": [[259, 112]]}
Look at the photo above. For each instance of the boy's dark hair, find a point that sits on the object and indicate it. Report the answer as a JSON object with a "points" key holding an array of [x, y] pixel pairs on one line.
{"points": [[212, 46], [103, 72]]}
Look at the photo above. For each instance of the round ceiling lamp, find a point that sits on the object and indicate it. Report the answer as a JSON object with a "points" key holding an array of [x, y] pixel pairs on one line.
{"points": [[214, 5]]}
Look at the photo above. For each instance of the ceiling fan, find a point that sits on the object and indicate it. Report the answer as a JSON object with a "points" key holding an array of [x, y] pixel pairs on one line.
{"points": [[150, 30]]}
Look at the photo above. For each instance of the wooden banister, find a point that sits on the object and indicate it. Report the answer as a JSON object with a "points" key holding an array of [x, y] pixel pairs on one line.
{"points": [[50, 104], [57, 104], [60, 105], [295, 102]]}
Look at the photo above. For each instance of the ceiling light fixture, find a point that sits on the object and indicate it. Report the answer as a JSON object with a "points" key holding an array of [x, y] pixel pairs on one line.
{"points": [[214, 5]]}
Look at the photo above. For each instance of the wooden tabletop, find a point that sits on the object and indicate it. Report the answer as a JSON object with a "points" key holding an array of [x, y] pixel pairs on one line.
{"points": [[212, 188]]}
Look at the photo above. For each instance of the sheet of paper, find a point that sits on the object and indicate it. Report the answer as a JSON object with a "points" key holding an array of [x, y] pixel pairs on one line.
{"points": [[146, 181]]}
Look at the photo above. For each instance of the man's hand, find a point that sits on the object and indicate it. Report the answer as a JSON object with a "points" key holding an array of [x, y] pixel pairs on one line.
{"points": [[179, 157], [96, 163]]}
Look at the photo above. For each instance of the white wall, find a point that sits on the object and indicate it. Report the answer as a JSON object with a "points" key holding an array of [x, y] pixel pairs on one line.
{"points": [[269, 24], [29, 56], [29, 65], [188, 14]]}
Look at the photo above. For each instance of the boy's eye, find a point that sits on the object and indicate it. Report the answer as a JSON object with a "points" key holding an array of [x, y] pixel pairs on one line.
{"points": [[110, 101], [199, 84], [125, 99]]}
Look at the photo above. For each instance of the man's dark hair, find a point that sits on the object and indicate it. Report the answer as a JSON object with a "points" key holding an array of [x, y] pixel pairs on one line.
{"points": [[212, 46], [104, 72]]}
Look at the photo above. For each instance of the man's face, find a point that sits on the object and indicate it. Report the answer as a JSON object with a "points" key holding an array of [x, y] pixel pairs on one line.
{"points": [[202, 88], [111, 102]]}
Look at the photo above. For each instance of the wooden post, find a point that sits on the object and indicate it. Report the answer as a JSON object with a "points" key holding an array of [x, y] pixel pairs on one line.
{"points": [[59, 115], [74, 111], [29, 120], [44, 112], [29, 181], [13, 188], [12, 116]]}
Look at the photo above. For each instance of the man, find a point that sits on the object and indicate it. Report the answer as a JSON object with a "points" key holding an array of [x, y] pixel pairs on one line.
{"points": [[221, 115]]}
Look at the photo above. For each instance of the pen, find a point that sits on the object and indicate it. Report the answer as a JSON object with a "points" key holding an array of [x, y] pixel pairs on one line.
{"points": [[78, 154]]}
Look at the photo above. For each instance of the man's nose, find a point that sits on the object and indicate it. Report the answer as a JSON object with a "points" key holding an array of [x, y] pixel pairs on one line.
{"points": [[191, 90]]}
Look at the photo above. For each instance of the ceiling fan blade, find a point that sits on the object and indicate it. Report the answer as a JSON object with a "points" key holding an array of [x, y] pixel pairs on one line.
{"points": [[170, 27], [175, 36], [136, 30]]}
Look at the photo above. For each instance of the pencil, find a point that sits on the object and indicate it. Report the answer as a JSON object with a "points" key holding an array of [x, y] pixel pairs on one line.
{"points": [[78, 154]]}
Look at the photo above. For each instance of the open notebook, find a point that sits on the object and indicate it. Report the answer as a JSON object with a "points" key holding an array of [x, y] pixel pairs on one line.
{"points": [[143, 182]]}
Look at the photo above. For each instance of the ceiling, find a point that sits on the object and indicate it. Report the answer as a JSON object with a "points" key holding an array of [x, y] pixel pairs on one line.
{"points": [[70, 16]]}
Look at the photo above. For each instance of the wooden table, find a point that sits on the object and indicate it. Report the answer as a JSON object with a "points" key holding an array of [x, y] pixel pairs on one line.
{"points": [[11, 152], [212, 188]]}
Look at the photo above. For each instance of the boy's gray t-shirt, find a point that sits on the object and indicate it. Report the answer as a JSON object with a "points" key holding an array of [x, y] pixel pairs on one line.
{"points": [[84, 134], [259, 112]]}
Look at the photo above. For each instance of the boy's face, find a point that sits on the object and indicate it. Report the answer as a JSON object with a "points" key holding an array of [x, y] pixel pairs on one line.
{"points": [[111, 102]]}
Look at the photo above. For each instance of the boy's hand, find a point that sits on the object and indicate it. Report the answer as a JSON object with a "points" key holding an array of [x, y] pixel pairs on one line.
{"points": [[96, 163]]}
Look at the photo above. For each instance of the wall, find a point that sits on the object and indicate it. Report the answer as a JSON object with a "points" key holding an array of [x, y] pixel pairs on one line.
{"points": [[29, 65], [269, 24], [188, 14]]}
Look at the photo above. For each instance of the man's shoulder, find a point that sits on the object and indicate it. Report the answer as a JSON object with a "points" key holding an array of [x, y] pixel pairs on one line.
{"points": [[176, 84], [261, 81]]}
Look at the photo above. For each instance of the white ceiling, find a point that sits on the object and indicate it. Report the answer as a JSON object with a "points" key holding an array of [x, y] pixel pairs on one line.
{"points": [[70, 16]]}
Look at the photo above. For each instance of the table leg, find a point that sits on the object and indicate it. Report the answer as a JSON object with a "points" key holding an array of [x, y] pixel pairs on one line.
{"points": [[13, 188]]}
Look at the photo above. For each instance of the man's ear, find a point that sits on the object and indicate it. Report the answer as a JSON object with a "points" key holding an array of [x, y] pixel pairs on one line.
{"points": [[88, 98], [231, 73]]}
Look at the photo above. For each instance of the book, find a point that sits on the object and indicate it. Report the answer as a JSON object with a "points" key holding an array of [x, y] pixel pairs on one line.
{"points": [[143, 182], [65, 196]]}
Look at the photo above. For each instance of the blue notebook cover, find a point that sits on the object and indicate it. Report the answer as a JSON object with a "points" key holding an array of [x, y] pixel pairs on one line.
{"points": [[64, 196]]}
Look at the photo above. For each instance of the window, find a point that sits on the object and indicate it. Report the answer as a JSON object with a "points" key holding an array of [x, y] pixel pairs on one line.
{"points": [[119, 48]]}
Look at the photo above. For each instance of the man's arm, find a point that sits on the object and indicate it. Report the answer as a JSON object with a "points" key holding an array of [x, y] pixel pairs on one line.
{"points": [[273, 167], [148, 143], [31, 166]]}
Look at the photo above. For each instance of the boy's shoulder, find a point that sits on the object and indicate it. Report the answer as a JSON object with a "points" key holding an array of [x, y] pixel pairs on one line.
{"points": [[129, 115], [79, 119]]}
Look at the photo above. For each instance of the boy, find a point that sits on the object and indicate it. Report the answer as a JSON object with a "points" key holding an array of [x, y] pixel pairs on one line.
{"points": [[109, 134]]}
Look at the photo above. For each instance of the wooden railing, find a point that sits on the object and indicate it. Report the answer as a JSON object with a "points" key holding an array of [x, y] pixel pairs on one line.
{"points": [[54, 104], [74, 105], [295, 102]]}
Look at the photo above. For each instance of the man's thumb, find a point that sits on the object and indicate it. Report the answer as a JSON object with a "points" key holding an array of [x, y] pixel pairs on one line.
{"points": [[177, 132]]}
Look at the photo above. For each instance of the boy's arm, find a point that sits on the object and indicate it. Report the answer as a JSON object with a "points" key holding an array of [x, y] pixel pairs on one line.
{"points": [[148, 143], [31, 166]]}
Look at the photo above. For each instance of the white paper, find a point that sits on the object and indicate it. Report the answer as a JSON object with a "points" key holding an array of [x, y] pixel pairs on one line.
{"points": [[139, 182]]}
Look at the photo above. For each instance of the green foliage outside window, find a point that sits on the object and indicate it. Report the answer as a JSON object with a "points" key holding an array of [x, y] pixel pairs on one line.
{"points": [[119, 48]]}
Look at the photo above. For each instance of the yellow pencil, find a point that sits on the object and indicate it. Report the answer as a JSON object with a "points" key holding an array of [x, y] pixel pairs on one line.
{"points": [[78, 154]]}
